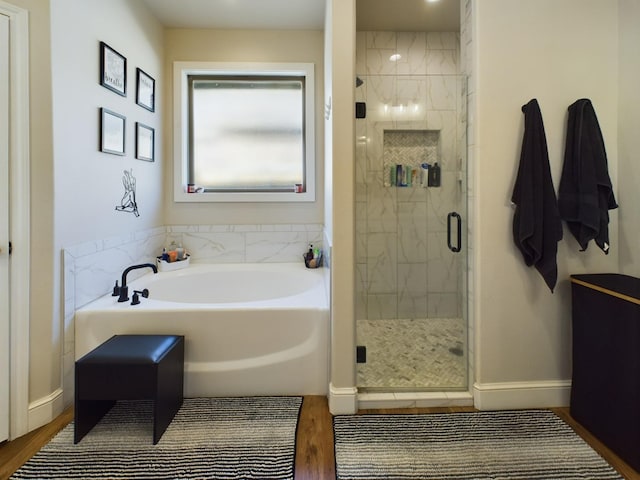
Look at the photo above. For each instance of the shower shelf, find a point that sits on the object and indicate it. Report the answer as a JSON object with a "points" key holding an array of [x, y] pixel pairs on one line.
{"points": [[405, 152], [405, 176]]}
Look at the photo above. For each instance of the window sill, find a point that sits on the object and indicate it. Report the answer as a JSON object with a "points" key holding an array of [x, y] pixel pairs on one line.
{"points": [[243, 197]]}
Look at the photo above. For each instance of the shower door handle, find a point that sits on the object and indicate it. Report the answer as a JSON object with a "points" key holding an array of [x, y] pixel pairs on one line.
{"points": [[454, 248]]}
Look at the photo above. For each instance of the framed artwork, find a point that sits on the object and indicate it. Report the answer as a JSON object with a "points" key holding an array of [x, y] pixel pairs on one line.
{"points": [[113, 70], [146, 90], [112, 128], [145, 137]]}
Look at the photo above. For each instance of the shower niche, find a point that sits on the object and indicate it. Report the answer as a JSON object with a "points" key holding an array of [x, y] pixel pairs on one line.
{"points": [[410, 157], [411, 287]]}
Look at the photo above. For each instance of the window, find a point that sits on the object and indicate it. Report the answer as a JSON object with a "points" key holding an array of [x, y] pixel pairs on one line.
{"points": [[245, 132]]}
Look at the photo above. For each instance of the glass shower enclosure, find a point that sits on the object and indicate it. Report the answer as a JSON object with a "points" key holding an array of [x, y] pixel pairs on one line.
{"points": [[411, 200]]}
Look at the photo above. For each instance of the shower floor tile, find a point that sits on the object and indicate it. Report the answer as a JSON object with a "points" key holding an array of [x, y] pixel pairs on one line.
{"points": [[413, 354]]}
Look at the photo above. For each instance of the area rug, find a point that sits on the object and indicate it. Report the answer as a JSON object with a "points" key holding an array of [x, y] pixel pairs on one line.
{"points": [[531, 444], [209, 438]]}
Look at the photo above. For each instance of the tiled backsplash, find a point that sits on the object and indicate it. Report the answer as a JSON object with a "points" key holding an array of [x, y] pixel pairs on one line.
{"points": [[92, 268], [246, 243]]}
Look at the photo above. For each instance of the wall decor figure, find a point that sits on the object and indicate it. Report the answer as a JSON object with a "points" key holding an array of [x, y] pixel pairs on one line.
{"points": [[128, 202]]}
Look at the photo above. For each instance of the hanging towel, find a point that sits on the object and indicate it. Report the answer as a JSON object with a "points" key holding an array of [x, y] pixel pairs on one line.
{"points": [[537, 227], [585, 195]]}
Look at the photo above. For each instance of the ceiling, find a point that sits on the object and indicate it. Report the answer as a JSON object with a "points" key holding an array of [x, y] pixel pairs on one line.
{"points": [[394, 15], [408, 15]]}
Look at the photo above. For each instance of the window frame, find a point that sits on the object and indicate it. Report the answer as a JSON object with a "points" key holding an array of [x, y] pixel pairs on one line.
{"points": [[182, 71]]}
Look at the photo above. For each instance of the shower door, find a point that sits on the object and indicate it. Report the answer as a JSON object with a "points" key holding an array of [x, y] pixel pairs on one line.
{"points": [[4, 229], [410, 227]]}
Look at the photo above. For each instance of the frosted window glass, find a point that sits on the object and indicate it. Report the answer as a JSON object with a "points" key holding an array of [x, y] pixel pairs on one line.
{"points": [[247, 134]]}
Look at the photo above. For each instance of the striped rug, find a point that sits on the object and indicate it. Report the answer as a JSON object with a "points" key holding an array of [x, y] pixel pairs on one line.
{"points": [[221, 438], [531, 444]]}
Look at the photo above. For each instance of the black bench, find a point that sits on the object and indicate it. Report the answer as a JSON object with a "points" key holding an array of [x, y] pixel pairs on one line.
{"points": [[130, 367]]}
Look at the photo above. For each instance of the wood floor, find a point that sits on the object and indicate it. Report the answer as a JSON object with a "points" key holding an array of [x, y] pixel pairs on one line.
{"points": [[314, 451]]}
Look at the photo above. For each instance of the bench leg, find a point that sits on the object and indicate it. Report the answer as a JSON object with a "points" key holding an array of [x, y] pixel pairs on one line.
{"points": [[87, 414], [169, 390]]}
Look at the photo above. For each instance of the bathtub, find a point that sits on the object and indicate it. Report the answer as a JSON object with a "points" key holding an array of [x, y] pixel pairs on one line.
{"points": [[250, 329]]}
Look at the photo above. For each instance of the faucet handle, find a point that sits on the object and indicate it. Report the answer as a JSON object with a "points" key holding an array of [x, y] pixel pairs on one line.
{"points": [[116, 290], [135, 300], [144, 292]]}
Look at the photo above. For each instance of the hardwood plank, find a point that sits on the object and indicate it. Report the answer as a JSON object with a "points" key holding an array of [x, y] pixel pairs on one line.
{"points": [[315, 457], [15, 453], [614, 460]]}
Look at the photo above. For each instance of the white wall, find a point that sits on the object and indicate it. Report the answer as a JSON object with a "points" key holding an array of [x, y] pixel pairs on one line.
{"points": [[628, 144], [340, 125], [44, 339], [556, 52], [88, 183], [243, 46]]}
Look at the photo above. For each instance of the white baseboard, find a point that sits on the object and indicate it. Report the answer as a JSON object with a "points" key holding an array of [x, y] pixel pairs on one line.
{"points": [[45, 409], [414, 399], [517, 395], [343, 401]]}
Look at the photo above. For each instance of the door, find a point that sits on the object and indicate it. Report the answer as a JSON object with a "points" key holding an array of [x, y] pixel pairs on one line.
{"points": [[411, 258], [4, 228]]}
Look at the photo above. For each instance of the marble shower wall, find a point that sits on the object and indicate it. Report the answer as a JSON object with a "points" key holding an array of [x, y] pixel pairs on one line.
{"points": [[404, 267]]}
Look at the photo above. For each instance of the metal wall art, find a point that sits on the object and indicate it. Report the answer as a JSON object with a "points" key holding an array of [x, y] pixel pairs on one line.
{"points": [[128, 202]]}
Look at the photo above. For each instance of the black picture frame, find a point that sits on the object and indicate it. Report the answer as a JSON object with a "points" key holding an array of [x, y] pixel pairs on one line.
{"points": [[145, 142], [145, 90], [112, 132], [113, 70]]}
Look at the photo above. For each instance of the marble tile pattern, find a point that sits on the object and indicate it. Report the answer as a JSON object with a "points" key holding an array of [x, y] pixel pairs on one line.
{"points": [[467, 68], [413, 354], [416, 112], [91, 268]]}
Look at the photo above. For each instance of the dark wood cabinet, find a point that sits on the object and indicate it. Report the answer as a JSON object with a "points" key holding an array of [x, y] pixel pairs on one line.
{"points": [[605, 390]]}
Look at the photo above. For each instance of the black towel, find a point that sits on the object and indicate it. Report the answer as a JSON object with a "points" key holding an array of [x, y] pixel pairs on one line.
{"points": [[585, 195], [537, 227]]}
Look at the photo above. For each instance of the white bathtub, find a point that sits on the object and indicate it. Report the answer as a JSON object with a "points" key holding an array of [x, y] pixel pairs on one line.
{"points": [[250, 329]]}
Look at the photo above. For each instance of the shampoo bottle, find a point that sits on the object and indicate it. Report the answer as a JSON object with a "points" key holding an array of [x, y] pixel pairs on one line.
{"points": [[434, 176]]}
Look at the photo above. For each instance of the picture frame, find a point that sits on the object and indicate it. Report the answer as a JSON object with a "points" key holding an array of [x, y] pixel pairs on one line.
{"points": [[145, 142], [112, 132], [146, 90], [113, 70]]}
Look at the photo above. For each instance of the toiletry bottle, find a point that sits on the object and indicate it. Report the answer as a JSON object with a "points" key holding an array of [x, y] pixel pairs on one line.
{"points": [[165, 255], [434, 176], [424, 174], [180, 252], [173, 253]]}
